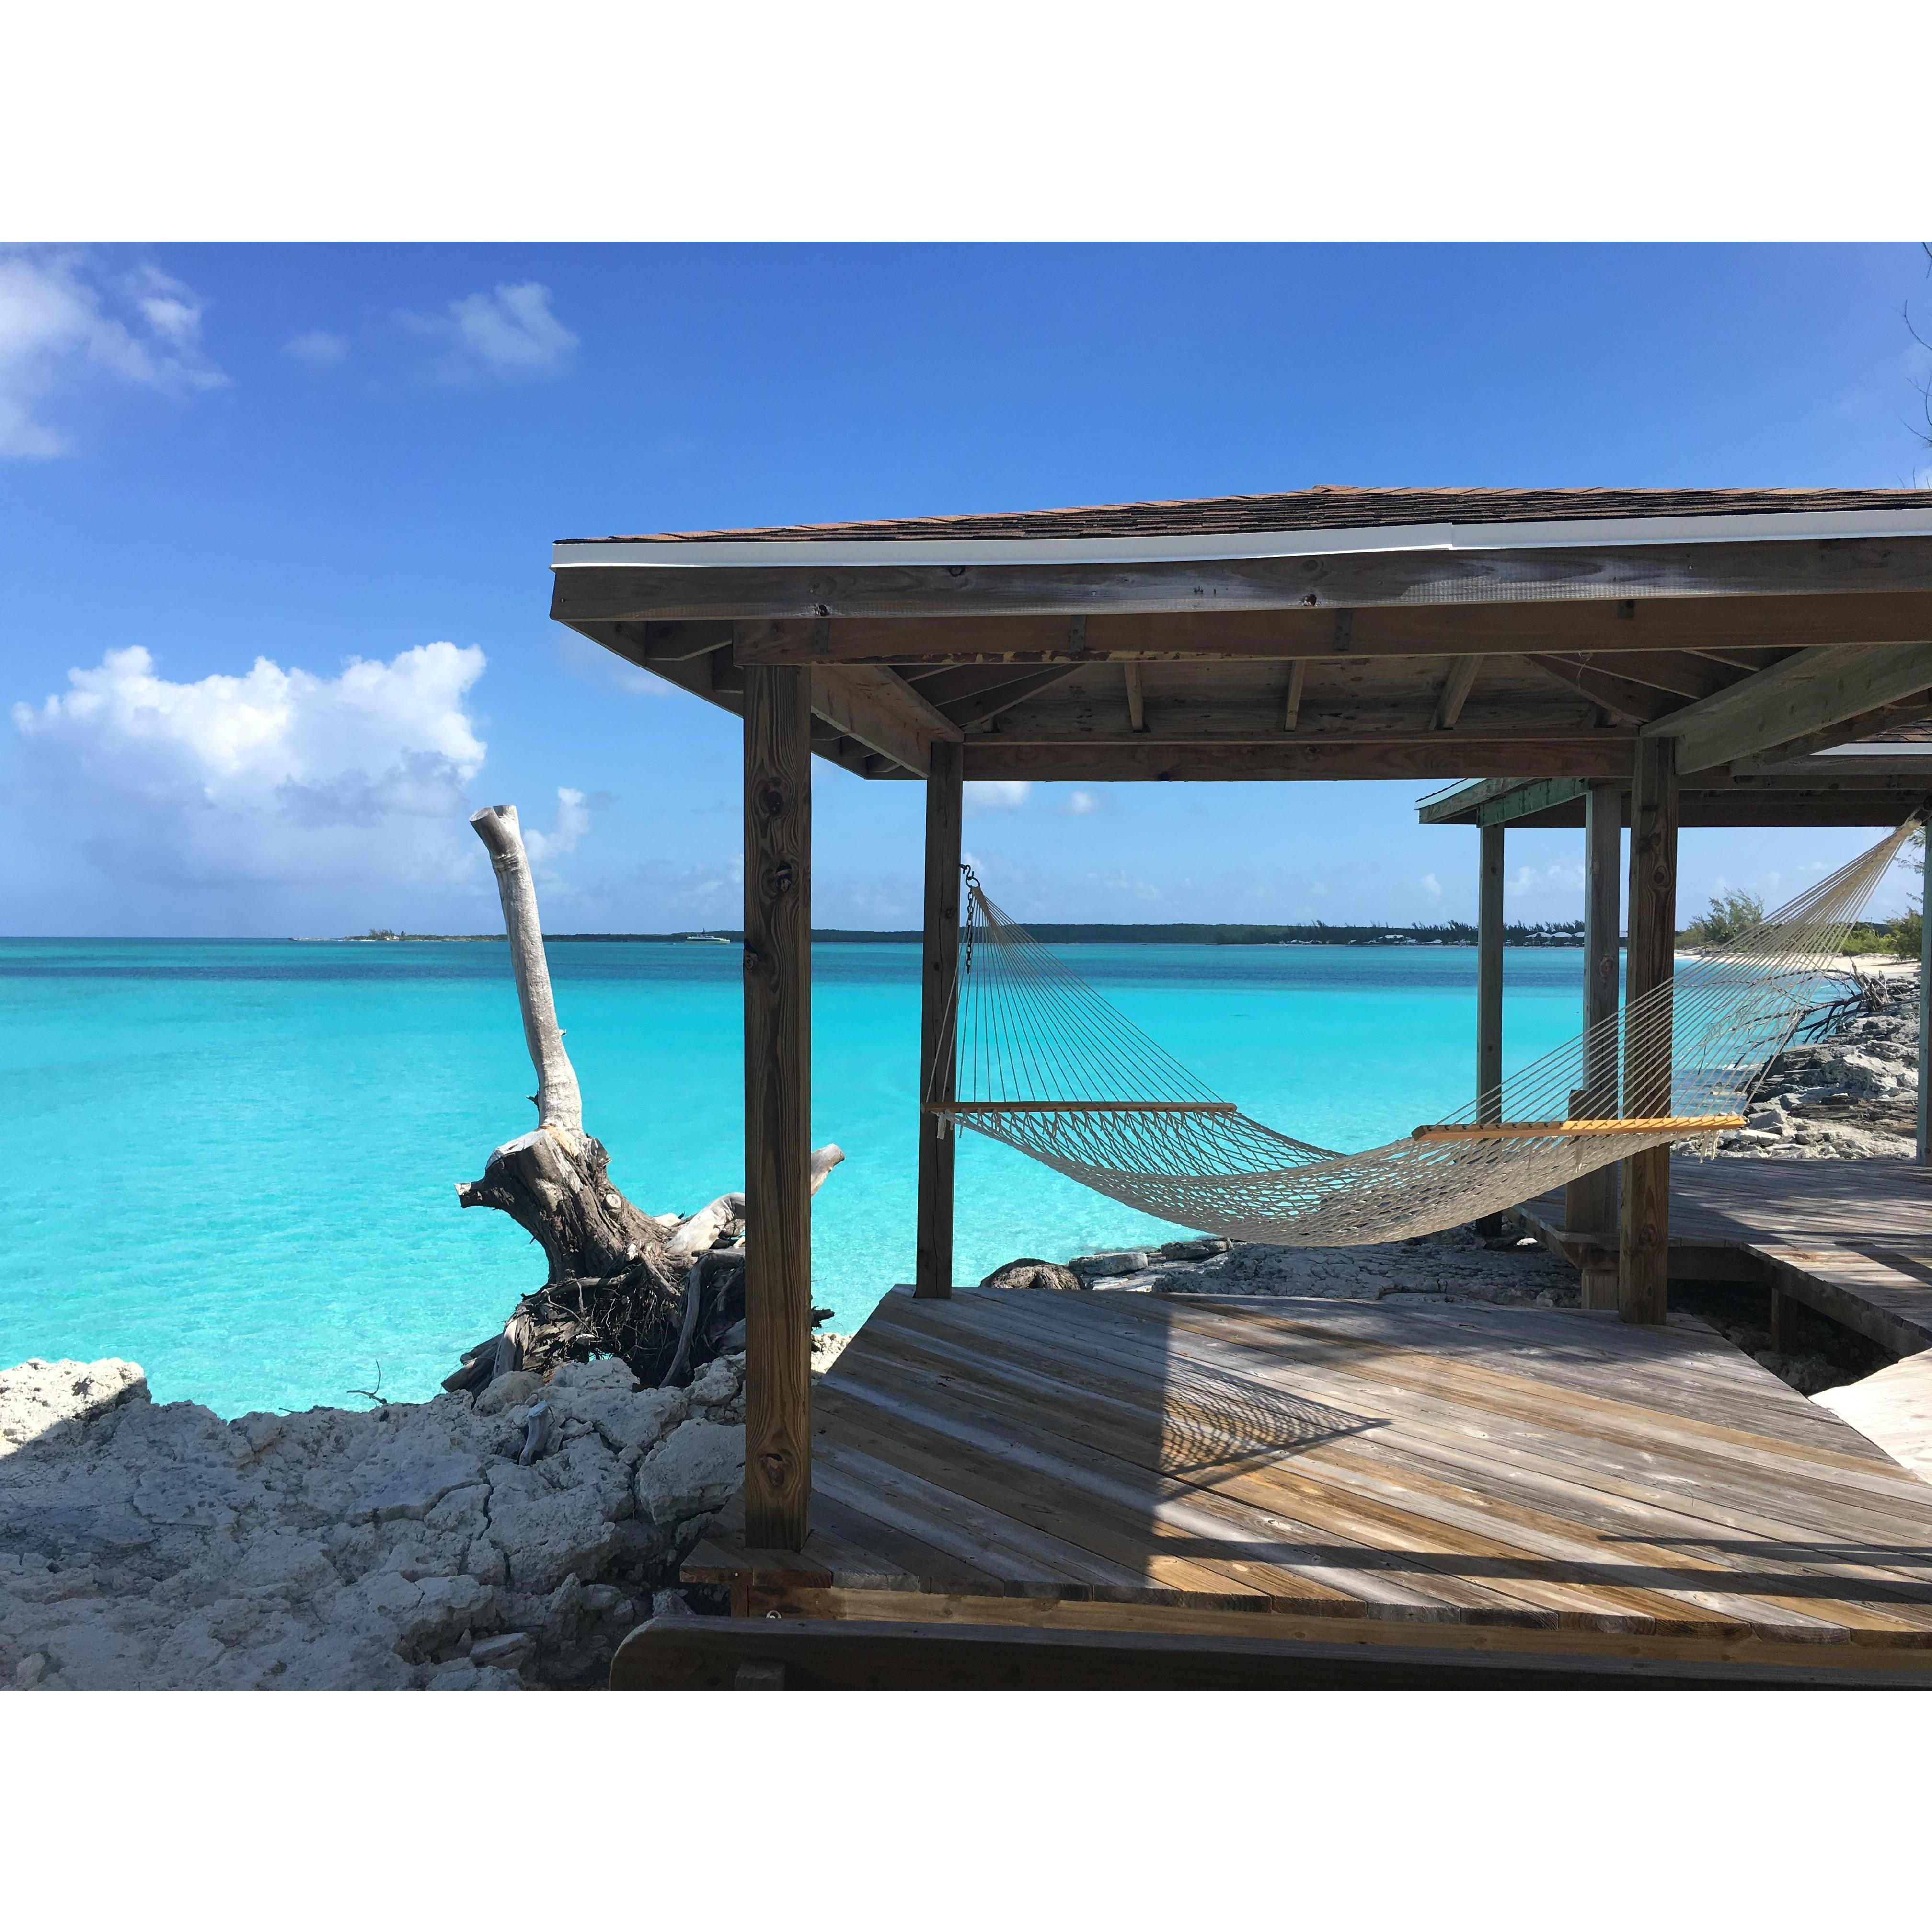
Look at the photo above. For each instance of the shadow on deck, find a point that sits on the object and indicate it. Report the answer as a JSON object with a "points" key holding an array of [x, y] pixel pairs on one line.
{"points": [[1450, 1477]]}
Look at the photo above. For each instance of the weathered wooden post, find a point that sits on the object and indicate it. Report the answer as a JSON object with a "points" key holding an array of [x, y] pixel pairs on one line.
{"points": [[1925, 1015], [1643, 1260], [1590, 1203], [1489, 989], [938, 1137], [777, 1105]]}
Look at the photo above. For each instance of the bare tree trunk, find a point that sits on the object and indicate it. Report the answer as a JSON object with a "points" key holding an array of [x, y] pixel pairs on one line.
{"points": [[664, 1294], [558, 1104]]}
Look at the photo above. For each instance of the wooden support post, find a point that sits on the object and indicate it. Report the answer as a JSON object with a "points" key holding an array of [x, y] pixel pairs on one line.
{"points": [[777, 1105], [1591, 1202], [932, 1276], [1925, 1016], [1643, 1269], [1489, 991], [1783, 1323]]}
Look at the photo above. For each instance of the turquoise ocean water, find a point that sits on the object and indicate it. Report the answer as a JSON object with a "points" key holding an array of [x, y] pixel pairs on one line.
{"points": [[231, 1162]]}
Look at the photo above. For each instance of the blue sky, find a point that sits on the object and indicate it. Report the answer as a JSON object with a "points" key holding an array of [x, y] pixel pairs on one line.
{"points": [[350, 461]]}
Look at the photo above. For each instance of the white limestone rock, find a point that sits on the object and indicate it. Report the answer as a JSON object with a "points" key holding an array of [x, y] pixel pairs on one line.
{"points": [[508, 1391], [146, 1545], [718, 1382], [629, 1424], [37, 1395], [696, 1468], [607, 1373]]}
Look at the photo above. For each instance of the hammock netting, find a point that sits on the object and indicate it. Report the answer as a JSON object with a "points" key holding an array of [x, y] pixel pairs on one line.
{"points": [[1045, 1063]]}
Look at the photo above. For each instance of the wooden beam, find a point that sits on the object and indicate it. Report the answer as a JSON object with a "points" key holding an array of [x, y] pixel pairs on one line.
{"points": [[1633, 703], [1643, 1260], [1738, 660], [1801, 696], [1440, 754], [777, 1105], [1590, 1202], [1136, 705], [1924, 1150], [1498, 801], [1756, 624], [1490, 875], [1606, 574], [1456, 689], [944, 798], [1868, 725], [722, 674], [1297, 681], [972, 713], [1245, 725], [876, 706], [649, 645], [1677, 673]]}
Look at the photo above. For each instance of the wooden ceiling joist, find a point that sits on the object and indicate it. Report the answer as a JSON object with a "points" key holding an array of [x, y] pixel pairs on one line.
{"points": [[879, 708], [1456, 689], [1629, 703]]}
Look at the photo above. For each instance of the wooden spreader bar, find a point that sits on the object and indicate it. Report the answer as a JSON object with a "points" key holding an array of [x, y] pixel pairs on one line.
{"points": [[1685, 1124], [1081, 1107]]}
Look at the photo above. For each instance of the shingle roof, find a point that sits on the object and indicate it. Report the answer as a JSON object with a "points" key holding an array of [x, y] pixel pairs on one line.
{"points": [[1327, 508]]}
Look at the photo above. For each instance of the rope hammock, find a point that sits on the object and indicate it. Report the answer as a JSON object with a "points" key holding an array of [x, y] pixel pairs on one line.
{"points": [[1045, 1064]]}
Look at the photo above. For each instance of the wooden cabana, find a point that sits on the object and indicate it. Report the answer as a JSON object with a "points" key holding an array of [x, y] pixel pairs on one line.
{"points": [[1685, 650], [1830, 776]]}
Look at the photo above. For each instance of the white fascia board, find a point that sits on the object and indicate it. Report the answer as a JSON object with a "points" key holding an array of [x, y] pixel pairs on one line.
{"points": [[1910, 752], [897, 552]]}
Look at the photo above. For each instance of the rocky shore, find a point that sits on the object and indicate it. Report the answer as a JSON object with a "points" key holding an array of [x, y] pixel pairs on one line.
{"points": [[1853, 1096], [457, 1544]]}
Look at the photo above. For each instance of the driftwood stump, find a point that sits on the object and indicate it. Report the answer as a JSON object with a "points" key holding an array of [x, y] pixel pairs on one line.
{"points": [[665, 1293]]}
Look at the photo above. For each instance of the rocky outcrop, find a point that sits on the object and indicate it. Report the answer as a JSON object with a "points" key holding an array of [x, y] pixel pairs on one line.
{"points": [[148, 1545], [1031, 1272], [1853, 1096], [1458, 1265]]}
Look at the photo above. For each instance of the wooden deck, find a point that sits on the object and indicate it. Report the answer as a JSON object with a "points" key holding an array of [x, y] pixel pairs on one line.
{"points": [[1851, 1238], [1515, 1481]]}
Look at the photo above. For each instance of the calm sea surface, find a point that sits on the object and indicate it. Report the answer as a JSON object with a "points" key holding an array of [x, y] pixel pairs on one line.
{"points": [[231, 1162]]}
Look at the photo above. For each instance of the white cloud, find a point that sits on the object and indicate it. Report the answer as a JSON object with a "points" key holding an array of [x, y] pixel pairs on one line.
{"points": [[984, 795], [1432, 885], [59, 332], [276, 777], [510, 331], [318, 348], [573, 821], [1078, 804], [1556, 883]]}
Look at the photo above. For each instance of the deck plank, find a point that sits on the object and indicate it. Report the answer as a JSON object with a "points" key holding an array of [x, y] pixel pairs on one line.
{"points": [[1322, 1464], [1414, 1513], [1852, 1239]]}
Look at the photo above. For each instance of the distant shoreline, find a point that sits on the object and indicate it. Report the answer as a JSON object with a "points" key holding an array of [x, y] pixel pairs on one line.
{"points": [[1419, 936]]}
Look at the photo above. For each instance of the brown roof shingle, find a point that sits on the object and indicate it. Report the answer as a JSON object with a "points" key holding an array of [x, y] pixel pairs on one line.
{"points": [[1330, 507]]}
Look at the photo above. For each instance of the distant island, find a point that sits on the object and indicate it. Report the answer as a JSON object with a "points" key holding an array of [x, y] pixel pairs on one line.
{"points": [[1453, 932]]}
